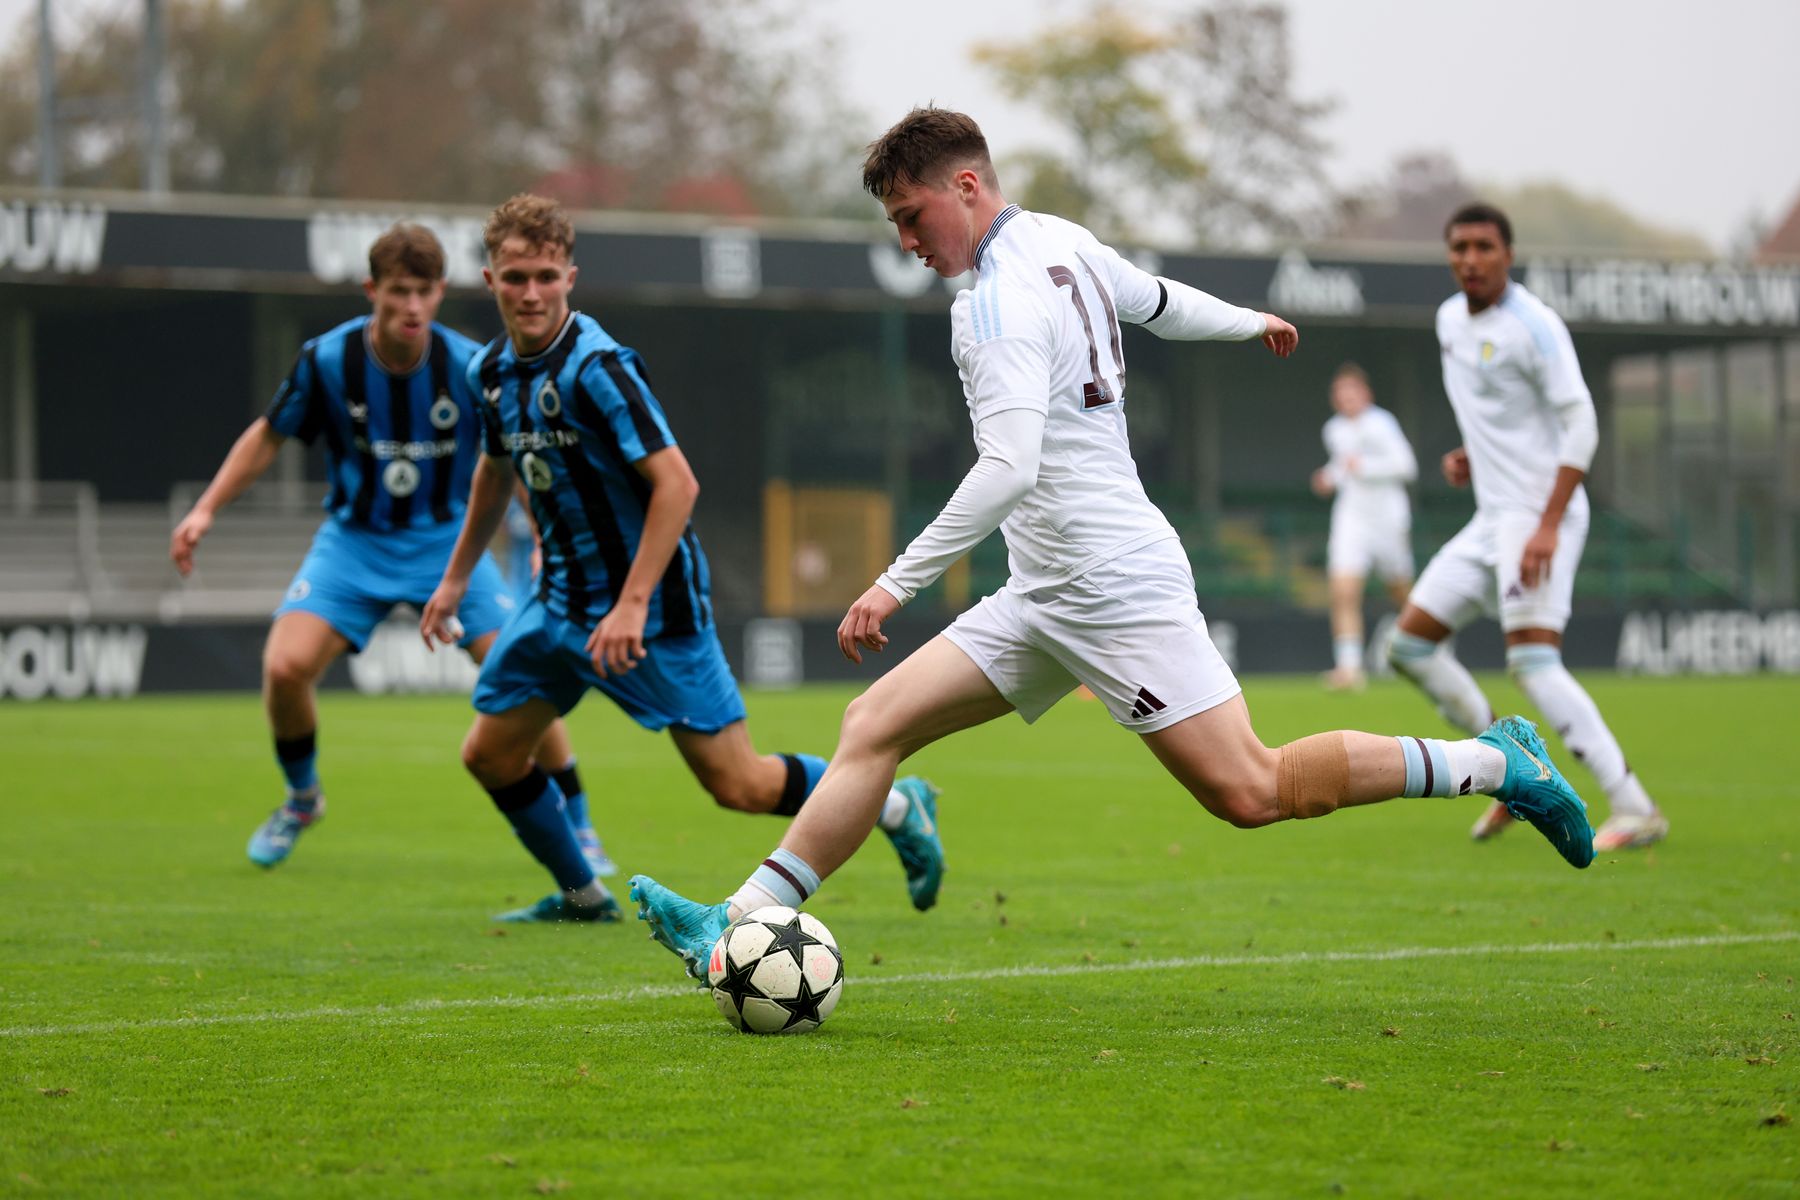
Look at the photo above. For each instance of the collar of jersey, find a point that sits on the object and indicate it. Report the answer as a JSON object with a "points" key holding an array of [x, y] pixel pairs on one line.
{"points": [[368, 336], [1001, 218], [527, 360]]}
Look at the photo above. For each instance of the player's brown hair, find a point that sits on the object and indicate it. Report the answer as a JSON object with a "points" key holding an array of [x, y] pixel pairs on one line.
{"points": [[1350, 370], [538, 221], [921, 145], [406, 249]]}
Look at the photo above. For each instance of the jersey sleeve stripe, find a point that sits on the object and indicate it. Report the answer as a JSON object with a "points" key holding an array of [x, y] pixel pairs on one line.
{"points": [[446, 468], [356, 403], [653, 434], [1534, 324]]}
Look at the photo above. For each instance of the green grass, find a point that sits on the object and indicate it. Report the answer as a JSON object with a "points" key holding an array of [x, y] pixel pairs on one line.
{"points": [[1118, 994]]}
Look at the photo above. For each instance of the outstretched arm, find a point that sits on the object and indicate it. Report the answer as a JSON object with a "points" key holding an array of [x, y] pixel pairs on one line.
{"points": [[244, 464], [1187, 314], [1010, 444]]}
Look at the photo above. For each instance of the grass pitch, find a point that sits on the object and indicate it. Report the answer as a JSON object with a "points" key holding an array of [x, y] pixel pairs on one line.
{"points": [[1118, 993]]}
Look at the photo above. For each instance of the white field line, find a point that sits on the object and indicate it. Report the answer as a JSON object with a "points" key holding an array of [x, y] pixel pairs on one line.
{"points": [[429, 1005]]}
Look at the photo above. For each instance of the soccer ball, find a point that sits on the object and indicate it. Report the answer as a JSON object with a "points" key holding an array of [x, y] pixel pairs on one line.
{"points": [[775, 971]]}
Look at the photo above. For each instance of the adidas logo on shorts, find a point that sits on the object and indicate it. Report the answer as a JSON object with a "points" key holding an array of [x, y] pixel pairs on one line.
{"points": [[1146, 704]]}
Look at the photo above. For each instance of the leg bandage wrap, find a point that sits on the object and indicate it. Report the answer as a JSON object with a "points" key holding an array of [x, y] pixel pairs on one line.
{"points": [[1312, 776]]}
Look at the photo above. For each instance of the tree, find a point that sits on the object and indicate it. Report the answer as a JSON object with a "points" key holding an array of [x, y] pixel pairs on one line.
{"points": [[1425, 187], [1190, 125], [456, 101], [1128, 150]]}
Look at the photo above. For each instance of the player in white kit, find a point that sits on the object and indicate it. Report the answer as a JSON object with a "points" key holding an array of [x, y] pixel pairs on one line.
{"points": [[1370, 463], [1529, 434], [1100, 591]]}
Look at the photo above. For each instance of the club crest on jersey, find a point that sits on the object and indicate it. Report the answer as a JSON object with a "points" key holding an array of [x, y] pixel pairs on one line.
{"points": [[400, 478], [1488, 351], [549, 400], [357, 411], [443, 411], [537, 473], [492, 396], [300, 591]]}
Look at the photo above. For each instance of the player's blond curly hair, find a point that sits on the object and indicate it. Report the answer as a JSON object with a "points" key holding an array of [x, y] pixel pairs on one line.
{"points": [[538, 221]]}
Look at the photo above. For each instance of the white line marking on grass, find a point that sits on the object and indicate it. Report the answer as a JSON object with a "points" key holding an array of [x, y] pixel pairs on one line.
{"points": [[414, 1008]]}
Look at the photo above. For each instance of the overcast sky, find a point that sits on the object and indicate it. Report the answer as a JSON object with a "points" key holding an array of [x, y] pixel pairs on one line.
{"points": [[1686, 114]]}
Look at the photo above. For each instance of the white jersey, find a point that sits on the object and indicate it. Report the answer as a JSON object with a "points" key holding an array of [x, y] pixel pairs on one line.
{"points": [[1371, 464], [1516, 388], [1040, 331]]}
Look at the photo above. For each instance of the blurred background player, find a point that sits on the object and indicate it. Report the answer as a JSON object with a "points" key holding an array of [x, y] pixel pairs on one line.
{"points": [[1370, 464], [1099, 590], [623, 604], [1529, 435], [388, 393]]}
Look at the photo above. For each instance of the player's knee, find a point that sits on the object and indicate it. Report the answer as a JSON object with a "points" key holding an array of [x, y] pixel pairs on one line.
{"points": [[1244, 797], [287, 672], [730, 789], [491, 764], [865, 727]]}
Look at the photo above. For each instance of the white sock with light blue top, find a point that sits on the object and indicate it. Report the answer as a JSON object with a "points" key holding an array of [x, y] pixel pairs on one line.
{"points": [[1438, 768], [784, 878], [1538, 669]]}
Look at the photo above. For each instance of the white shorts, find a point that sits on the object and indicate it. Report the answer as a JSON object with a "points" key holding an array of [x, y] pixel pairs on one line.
{"points": [[1477, 572], [1364, 548], [1129, 629]]}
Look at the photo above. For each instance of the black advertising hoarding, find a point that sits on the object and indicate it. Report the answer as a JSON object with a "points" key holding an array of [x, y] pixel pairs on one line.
{"points": [[118, 660], [106, 240]]}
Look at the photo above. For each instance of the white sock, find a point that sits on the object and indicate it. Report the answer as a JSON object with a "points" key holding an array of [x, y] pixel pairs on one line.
{"points": [[1441, 768], [749, 898], [1347, 653], [893, 809], [1568, 708], [587, 896], [1435, 671]]}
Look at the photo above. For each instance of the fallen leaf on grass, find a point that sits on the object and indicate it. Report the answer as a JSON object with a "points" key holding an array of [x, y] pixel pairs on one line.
{"points": [[913, 1102], [55, 1092], [1649, 1066], [1104, 1055], [504, 1160], [1342, 1084], [1778, 1117], [1760, 1060], [1390, 1031], [1494, 1074], [546, 1186], [875, 960]]}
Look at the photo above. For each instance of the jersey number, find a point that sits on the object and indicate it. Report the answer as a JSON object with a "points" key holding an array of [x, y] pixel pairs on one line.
{"points": [[1094, 393]]}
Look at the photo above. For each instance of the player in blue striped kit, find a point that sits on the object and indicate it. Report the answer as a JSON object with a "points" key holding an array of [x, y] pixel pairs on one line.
{"points": [[623, 604], [389, 393]]}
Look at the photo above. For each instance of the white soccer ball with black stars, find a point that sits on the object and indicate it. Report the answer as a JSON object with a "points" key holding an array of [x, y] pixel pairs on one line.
{"points": [[776, 970]]}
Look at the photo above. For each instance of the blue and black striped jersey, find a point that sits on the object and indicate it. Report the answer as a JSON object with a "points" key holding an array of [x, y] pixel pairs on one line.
{"points": [[574, 418], [402, 448]]}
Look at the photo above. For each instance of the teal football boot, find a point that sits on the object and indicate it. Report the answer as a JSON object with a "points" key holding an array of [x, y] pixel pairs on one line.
{"points": [[686, 927], [274, 839], [916, 841], [1535, 791], [555, 908]]}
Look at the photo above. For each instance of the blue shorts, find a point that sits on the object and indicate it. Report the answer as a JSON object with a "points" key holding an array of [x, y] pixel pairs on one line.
{"points": [[683, 681], [352, 578]]}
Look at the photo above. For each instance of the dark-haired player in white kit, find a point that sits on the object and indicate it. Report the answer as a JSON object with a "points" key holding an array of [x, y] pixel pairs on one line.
{"points": [[1100, 591], [1529, 434]]}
